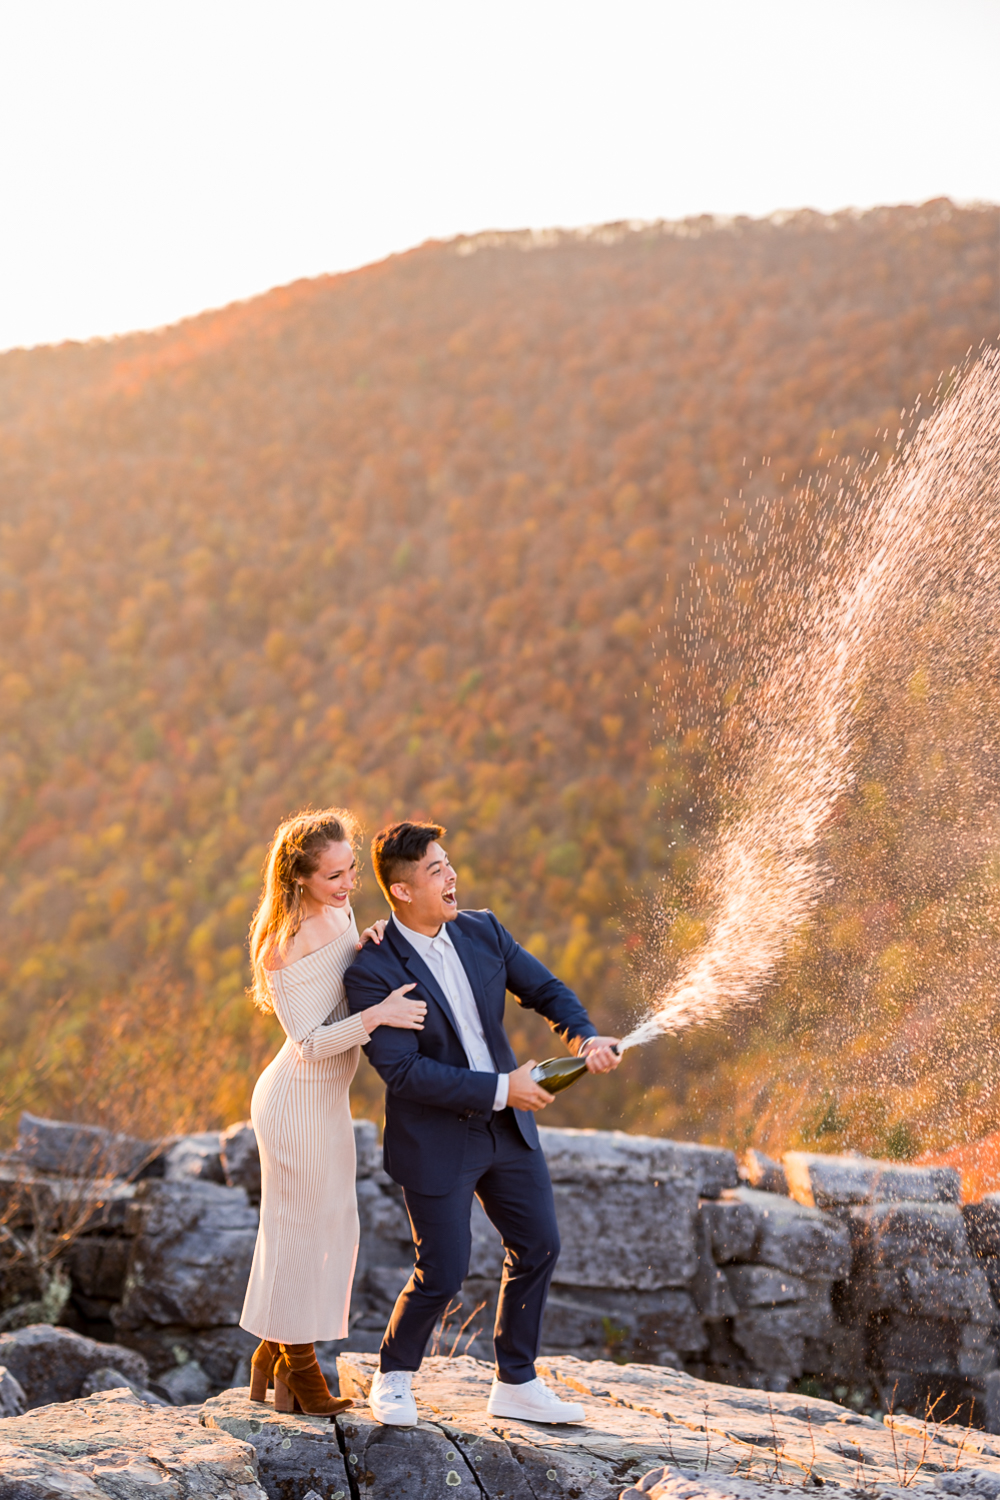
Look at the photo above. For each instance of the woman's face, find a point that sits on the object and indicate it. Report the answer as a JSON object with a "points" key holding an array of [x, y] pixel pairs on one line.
{"points": [[332, 881]]}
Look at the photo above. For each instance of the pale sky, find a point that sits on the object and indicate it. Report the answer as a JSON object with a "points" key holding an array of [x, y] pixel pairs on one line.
{"points": [[158, 157]]}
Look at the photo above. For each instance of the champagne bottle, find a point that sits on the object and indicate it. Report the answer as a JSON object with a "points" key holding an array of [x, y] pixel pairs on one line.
{"points": [[557, 1073]]}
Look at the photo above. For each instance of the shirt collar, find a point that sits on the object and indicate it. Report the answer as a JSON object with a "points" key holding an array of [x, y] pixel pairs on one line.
{"points": [[419, 940]]}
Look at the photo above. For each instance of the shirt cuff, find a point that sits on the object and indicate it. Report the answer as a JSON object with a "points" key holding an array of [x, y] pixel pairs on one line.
{"points": [[503, 1085]]}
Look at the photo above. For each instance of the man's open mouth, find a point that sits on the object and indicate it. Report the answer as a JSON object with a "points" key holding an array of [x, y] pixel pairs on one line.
{"points": [[449, 897]]}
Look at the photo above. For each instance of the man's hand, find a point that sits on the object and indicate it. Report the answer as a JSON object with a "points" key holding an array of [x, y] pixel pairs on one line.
{"points": [[523, 1092], [598, 1052]]}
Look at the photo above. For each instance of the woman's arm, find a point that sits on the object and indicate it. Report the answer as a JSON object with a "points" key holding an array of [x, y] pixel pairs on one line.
{"points": [[327, 1041], [396, 1010]]}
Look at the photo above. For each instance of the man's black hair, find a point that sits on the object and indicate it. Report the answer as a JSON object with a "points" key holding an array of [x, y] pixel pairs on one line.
{"points": [[397, 849]]}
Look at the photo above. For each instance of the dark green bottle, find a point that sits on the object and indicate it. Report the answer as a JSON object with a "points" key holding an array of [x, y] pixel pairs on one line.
{"points": [[557, 1073]]}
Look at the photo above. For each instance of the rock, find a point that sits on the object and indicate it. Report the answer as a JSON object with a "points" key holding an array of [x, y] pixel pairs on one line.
{"points": [[13, 1401], [52, 1363], [958, 1398], [110, 1379], [79, 1204], [640, 1418], [596, 1157], [991, 1270], [367, 1149], [240, 1158], [896, 1235], [658, 1249], [71, 1150], [977, 1354], [794, 1237], [773, 1339], [766, 1435], [457, 1449], [710, 1289], [765, 1286], [221, 1352], [386, 1282], [111, 1447], [296, 1455], [632, 1412], [979, 1483], [731, 1227], [643, 1324], [195, 1156], [487, 1250], [928, 1291], [191, 1255], [934, 1346], [973, 1445], [672, 1483], [383, 1218], [840, 1181], [982, 1224], [763, 1172], [97, 1266], [186, 1384]]}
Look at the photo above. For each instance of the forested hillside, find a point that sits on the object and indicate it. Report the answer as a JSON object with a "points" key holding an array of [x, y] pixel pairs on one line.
{"points": [[417, 539]]}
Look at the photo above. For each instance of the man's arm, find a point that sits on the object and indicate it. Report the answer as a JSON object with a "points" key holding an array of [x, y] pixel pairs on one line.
{"points": [[537, 988], [395, 1055]]}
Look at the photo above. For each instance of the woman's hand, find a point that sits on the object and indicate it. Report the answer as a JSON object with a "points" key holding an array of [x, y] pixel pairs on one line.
{"points": [[396, 1009], [373, 934]]}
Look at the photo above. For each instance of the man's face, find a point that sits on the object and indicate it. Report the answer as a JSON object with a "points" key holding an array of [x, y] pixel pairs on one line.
{"points": [[427, 897]]}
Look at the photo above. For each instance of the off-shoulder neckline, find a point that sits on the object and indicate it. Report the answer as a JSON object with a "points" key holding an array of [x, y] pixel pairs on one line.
{"points": [[331, 944]]}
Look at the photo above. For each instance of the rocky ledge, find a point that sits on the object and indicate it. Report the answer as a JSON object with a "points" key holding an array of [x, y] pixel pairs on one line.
{"points": [[649, 1432], [112, 1446]]}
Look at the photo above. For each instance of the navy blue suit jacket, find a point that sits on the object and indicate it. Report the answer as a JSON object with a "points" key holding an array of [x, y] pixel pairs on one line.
{"points": [[431, 1093]]}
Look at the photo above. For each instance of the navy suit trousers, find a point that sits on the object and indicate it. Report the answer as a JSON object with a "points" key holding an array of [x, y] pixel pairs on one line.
{"points": [[512, 1183]]}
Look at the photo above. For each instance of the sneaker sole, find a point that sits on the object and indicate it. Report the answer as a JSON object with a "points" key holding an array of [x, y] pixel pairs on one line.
{"points": [[393, 1420], [523, 1416]]}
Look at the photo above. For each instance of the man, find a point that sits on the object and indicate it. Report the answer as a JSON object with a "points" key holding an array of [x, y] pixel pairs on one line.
{"points": [[459, 1117]]}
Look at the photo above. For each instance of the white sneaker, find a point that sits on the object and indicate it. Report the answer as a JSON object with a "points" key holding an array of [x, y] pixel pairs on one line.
{"points": [[391, 1399], [532, 1402]]}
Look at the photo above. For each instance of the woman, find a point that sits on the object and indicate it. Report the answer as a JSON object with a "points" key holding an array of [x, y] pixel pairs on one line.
{"points": [[302, 938]]}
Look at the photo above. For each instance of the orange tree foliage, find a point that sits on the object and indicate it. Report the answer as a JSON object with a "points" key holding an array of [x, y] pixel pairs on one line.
{"points": [[412, 540]]}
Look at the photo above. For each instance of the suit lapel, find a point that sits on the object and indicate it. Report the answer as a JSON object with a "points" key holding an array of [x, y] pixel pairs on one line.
{"points": [[466, 951], [412, 961]]}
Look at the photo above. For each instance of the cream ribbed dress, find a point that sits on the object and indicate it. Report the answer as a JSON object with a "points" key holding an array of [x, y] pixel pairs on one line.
{"points": [[307, 1244]]}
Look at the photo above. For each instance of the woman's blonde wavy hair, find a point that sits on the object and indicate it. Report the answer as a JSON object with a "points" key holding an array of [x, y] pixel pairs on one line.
{"points": [[295, 852]]}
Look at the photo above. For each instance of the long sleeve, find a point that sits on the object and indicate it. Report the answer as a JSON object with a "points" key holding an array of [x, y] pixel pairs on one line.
{"points": [[302, 1007], [327, 1041], [536, 988]]}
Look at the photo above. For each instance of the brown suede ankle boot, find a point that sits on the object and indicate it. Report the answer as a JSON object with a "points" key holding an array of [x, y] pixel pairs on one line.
{"points": [[299, 1384], [262, 1362]]}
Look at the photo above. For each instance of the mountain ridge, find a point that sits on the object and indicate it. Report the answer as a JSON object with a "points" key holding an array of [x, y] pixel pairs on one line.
{"points": [[412, 538]]}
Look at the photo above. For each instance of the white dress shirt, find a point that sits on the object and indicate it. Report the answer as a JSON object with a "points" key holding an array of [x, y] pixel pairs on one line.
{"points": [[439, 954]]}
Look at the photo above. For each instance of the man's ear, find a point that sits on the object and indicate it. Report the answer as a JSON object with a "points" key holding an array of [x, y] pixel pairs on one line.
{"points": [[400, 892]]}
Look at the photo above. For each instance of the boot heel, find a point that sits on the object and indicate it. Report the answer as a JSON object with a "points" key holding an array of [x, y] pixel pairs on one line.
{"points": [[258, 1384], [283, 1398]]}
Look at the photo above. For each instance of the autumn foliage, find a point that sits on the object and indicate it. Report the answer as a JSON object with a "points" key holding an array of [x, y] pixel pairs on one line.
{"points": [[420, 539]]}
